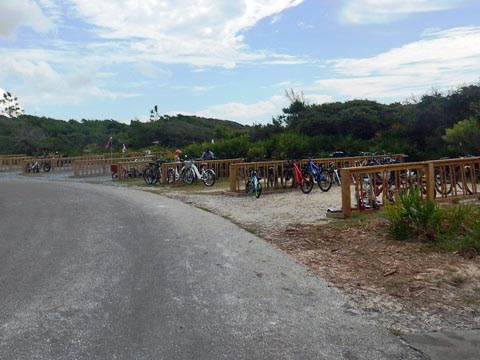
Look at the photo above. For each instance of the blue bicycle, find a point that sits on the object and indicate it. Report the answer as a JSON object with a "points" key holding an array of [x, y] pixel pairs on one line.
{"points": [[253, 185], [323, 177]]}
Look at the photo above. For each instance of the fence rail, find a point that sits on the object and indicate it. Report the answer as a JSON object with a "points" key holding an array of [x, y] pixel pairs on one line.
{"points": [[370, 187], [271, 172]]}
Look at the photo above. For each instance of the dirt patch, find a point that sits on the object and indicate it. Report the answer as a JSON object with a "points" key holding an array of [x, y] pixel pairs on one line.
{"points": [[408, 287]]}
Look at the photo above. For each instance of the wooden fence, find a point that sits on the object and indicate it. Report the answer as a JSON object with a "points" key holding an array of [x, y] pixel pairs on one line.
{"points": [[130, 168], [271, 172], [104, 166], [58, 164], [13, 163], [370, 187]]}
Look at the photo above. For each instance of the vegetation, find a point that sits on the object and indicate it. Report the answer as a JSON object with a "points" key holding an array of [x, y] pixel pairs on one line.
{"points": [[451, 228], [436, 125]]}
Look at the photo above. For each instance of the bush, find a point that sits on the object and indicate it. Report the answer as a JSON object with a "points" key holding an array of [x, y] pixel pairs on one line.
{"points": [[451, 228], [414, 217]]}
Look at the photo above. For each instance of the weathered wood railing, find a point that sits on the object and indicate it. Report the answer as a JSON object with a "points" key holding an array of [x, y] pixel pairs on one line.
{"points": [[370, 187], [102, 167], [59, 164], [271, 172], [13, 163], [131, 169]]}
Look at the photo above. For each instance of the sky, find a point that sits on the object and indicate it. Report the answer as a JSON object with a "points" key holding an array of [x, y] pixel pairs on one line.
{"points": [[230, 59]]}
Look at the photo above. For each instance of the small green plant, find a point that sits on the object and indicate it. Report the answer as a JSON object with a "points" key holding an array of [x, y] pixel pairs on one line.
{"points": [[413, 216]]}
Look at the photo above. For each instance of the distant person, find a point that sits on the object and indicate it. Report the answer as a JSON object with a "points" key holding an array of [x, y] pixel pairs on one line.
{"points": [[207, 155], [176, 158]]}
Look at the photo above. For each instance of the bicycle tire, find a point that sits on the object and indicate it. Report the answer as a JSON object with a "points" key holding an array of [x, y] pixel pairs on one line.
{"points": [[157, 175], [46, 167], [170, 175], [248, 186], [271, 176], [447, 189], [209, 177], [189, 176], [288, 180], [148, 176], [307, 182], [258, 190], [325, 182]]}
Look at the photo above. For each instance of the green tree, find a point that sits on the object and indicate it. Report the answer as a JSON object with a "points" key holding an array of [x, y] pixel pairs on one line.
{"points": [[463, 136]]}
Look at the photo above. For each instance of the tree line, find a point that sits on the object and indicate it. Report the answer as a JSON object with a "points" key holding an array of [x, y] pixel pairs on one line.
{"points": [[433, 126]]}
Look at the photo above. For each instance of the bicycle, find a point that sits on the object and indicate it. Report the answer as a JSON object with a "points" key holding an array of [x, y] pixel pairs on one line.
{"points": [[173, 175], [293, 176], [207, 176], [152, 173], [36, 166], [447, 179], [323, 178], [253, 185]]}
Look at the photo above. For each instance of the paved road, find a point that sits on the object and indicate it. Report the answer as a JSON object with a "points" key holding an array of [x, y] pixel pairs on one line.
{"points": [[101, 272]]}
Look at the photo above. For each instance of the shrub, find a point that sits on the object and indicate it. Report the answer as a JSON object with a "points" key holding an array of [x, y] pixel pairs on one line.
{"points": [[414, 217], [452, 228]]}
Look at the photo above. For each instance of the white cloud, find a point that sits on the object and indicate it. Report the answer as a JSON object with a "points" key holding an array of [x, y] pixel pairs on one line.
{"points": [[43, 83], [260, 112], [202, 33], [198, 32], [444, 59], [14, 14], [384, 11]]}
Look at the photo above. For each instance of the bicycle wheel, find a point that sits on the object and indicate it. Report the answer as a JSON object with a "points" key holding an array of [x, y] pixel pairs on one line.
{"points": [[307, 182], [170, 175], [258, 190], [325, 182], [288, 180], [271, 177], [443, 185], [208, 177], [148, 176], [189, 176], [248, 186], [46, 167], [157, 175]]}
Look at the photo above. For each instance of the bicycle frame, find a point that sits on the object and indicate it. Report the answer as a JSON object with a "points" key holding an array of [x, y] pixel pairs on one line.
{"points": [[318, 172], [253, 184]]}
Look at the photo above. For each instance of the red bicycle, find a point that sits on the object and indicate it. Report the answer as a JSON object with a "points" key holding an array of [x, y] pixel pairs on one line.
{"points": [[293, 176]]}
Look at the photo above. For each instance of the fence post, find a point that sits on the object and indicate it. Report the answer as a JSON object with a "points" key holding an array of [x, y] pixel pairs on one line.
{"points": [[233, 177], [346, 197], [430, 182]]}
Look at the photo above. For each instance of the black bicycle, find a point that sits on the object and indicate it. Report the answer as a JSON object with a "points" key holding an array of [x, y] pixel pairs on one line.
{"points": [[152, 173]]}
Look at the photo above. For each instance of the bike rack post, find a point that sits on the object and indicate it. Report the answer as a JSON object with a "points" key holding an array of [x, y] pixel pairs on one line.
{"points": [[346, 195]]}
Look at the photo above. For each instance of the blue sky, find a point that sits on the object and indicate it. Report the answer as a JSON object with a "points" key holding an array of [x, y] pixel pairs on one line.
{"points": [[233, 60]]}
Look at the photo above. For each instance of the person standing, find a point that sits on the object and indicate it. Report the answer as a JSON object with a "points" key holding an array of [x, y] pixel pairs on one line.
{"points": [[176, 157], [207, 155]]}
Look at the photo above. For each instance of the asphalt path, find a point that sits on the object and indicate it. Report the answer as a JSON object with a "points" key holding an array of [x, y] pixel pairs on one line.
{"points": [[97, 272]]}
